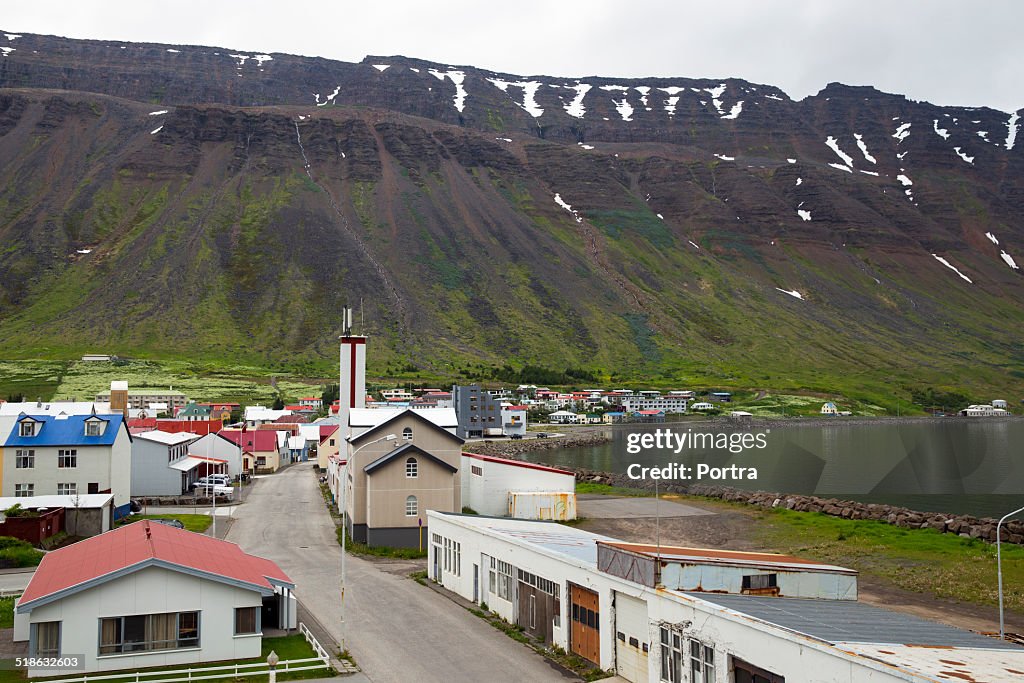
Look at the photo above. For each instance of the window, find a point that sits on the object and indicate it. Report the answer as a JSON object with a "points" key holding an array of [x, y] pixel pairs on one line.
{"points": [[411, 506], [246, 620], [47, 642], [477, 471], [25, 459], [146, 632], [702, 662], [407, 433], [27, 428], [503, 573], [411, 468], [68, 489], [92, 428], [672, 657], [67, 457], [760, 581], [24, 490], [332, 442]]}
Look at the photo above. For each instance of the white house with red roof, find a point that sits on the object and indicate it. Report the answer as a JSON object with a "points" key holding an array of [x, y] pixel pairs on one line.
{"points": [[500, 487], [148, 594]]}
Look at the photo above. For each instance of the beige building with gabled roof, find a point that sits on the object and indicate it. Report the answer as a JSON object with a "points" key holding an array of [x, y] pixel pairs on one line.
{"points": [[391, 483]]}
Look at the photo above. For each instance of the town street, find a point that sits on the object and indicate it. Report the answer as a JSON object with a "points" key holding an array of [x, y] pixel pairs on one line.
{"points": [[396, 629]]}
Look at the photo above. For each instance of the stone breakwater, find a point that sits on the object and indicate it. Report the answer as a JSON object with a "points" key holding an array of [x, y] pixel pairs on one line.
{"points": [[983, 528], [514, 449]]}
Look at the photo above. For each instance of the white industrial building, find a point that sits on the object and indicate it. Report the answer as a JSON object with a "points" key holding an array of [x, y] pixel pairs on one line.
{"points": [[658, 613], [500, 487]]}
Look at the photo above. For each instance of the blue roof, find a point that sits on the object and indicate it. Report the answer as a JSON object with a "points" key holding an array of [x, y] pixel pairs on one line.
{"points": [[67, 431]]}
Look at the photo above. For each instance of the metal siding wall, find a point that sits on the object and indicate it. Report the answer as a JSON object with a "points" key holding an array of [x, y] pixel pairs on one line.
{"points": [[631, 620]]}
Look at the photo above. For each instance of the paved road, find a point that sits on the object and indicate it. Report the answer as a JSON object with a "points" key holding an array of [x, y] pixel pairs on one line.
{"points": [[15, 579], [397, 630]]}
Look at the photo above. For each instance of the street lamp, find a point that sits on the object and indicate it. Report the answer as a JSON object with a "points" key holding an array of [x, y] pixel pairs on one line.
{"points": [[999, 569], [344, 523]]}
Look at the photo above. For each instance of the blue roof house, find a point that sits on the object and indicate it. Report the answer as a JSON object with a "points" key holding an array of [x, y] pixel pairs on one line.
{"points": [[68, 455]]}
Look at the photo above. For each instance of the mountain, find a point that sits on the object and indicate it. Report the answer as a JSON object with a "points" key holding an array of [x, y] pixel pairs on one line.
{"points": [[199, 202]]}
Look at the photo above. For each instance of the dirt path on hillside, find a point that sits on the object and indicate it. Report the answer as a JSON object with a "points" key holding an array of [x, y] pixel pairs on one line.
{"points": [[737, 530]]}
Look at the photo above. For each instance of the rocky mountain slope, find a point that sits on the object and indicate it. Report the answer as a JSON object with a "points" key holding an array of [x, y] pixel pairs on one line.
{"points": [[200, 202]]}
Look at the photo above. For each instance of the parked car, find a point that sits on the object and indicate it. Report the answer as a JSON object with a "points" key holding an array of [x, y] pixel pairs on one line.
{"points": [[542, 435], [516, 436], [211, 481], [170, 522]]}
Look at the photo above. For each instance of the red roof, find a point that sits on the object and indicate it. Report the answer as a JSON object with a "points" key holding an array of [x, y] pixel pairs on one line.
{"points": [[651, 412], [142, 422], [255, 441], [198, 427], [142, 544], [518, 407], [327, 430], [518, 463]]}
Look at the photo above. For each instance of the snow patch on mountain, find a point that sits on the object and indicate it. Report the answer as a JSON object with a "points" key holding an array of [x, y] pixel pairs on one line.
{"points": [[561, 202], [952, 267], [1011, 130], [902, 132], [576, 108], [864, 148], [529, 104], [834, 146], [963, 156]]}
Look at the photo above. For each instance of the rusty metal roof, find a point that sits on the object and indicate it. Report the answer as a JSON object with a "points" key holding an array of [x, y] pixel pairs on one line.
{"points": [[716, 556], [946, 664], [846, 621]]}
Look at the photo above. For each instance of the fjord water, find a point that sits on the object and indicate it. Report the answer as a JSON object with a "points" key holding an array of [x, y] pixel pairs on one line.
{"points": [[955, 465]]}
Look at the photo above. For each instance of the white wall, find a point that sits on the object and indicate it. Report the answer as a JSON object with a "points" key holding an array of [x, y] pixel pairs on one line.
{"points": [[110, 467], [213, 446], [151, 591], [796, 657], [487, 493]]}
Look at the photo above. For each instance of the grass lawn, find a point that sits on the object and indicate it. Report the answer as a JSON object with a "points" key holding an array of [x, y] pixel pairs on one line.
{"points": [[920, 560], [197, 523], [286, 647]]}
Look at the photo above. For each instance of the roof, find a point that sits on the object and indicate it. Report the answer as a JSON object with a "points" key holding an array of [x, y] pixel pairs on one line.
{"points": [[728, 557], [848, 621], [255, 439], [518, 463], [55, 408], [550, 538], [67, 430], [404, 451], [82, 500], [439, 418], [944, 663], [143, 544], [373, 417], [167, 438]]}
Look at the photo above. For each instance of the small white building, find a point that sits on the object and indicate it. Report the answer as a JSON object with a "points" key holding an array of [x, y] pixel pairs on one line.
{"points": [[223, 454], [159, 463], [564, 417], [260, 415], [687, 615], [829, 408], [511, 488], [983, 410], [148, 594], [702, 405], [513, 419]]}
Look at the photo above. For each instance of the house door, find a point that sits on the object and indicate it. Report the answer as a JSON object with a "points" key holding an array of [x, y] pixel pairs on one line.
{"points": [[476, 583], [748, 673], [585, 633]]}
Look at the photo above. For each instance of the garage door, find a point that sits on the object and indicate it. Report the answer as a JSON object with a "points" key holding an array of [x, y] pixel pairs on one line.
{"points": [[585, 634], [632, 638]]}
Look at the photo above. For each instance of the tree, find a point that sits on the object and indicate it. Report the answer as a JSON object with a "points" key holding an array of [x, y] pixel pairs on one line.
{"points": [[278, 403]]}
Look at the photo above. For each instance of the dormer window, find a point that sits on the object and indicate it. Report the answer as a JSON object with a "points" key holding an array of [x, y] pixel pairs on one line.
{"points": [[94, 427], [27, 428]]}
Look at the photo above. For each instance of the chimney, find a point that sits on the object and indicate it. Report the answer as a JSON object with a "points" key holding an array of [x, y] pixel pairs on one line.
{"points": [[119, 397], [352, 385]]}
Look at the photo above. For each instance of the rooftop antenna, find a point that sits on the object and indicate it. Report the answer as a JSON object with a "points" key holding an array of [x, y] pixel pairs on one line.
{"points": [[346, 321]]}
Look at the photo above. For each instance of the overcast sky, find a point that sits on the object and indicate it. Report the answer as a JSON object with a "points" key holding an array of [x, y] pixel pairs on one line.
{"points": [[951, 52]]}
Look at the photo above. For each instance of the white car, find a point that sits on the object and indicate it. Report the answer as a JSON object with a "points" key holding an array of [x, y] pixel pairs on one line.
{"points": [[212, 480]]}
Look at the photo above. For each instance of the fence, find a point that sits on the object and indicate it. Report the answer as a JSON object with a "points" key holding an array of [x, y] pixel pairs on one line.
{"points": [[207, 673]]}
